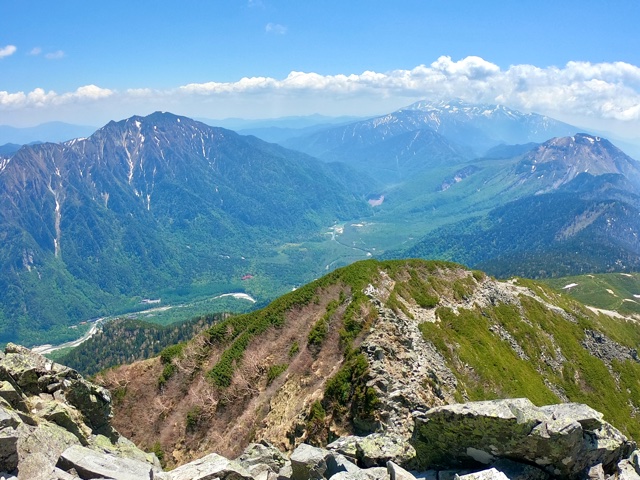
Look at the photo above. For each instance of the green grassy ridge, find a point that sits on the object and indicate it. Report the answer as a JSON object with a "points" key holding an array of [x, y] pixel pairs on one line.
{"points": [[472, 341], [235, 333], [594, 290], [487, 367]]}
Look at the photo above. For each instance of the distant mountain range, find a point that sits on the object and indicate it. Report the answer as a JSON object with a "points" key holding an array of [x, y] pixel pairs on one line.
{"points": [[147, 204], [46, 132], [396, 146], [277, 130]]}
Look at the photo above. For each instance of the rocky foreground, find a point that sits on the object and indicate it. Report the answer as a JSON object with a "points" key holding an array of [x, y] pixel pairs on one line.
{"points": [[56, 425]]}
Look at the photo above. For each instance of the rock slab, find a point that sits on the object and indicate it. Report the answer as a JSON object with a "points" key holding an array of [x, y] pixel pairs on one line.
{"points": [[565, 440], [91, 464], [210, 467]]}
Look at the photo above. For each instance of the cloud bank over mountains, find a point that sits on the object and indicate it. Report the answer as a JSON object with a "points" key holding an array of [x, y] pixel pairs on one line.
{"points": [[596, 91]]}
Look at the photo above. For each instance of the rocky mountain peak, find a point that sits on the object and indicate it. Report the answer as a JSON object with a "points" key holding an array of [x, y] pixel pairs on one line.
{"points": [[465, 109], [558, 161]]}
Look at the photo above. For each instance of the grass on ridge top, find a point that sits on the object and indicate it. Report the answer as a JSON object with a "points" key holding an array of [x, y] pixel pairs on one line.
{"points": [[611, 291]]}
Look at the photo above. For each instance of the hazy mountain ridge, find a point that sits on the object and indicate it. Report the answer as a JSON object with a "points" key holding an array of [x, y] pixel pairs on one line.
{"points": [[466, 124], [426, 135], [489, 124], [46, 132]]}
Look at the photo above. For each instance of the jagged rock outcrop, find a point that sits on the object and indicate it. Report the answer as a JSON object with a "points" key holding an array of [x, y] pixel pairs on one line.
{"points": [[374, 450], [262, 459], [602, 347], [399, 360], [210, 467], [88, 463], [565, 440], [46, 410]]}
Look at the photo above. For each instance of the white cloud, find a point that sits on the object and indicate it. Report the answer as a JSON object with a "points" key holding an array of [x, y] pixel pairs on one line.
{"points": [[275, 28], [474, 68], [7, 51], [40, 98], [579, 91], [92, 92], [35, 51], [12, 99], [57, 55]]}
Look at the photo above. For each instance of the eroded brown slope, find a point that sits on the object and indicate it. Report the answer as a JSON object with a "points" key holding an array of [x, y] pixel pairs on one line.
{"points": [[401, 337]]}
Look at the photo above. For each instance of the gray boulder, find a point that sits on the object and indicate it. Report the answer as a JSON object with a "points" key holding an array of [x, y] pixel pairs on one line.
{"points": [[629, 468], [12, 394], [347, 446], [375, 450], [308, 462], [380, 473], [286, 472], [396, 472], [93, 402], [359, 475], [39, 449], [596, 473], [564, 440], [519, 471], [262, 454], [210, 467], [91, 464], [58, 474], [9, 436]]}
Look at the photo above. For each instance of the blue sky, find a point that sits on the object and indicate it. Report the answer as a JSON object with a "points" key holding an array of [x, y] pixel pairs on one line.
{"points": [[89, 62]]}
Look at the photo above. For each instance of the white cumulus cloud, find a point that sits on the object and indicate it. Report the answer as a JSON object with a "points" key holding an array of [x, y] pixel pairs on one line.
{"points": [[578, 91], [606, 90], [38, 97], [7, 51]]}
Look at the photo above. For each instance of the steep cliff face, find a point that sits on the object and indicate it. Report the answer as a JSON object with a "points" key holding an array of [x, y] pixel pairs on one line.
{"points": [[366, 349]]}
